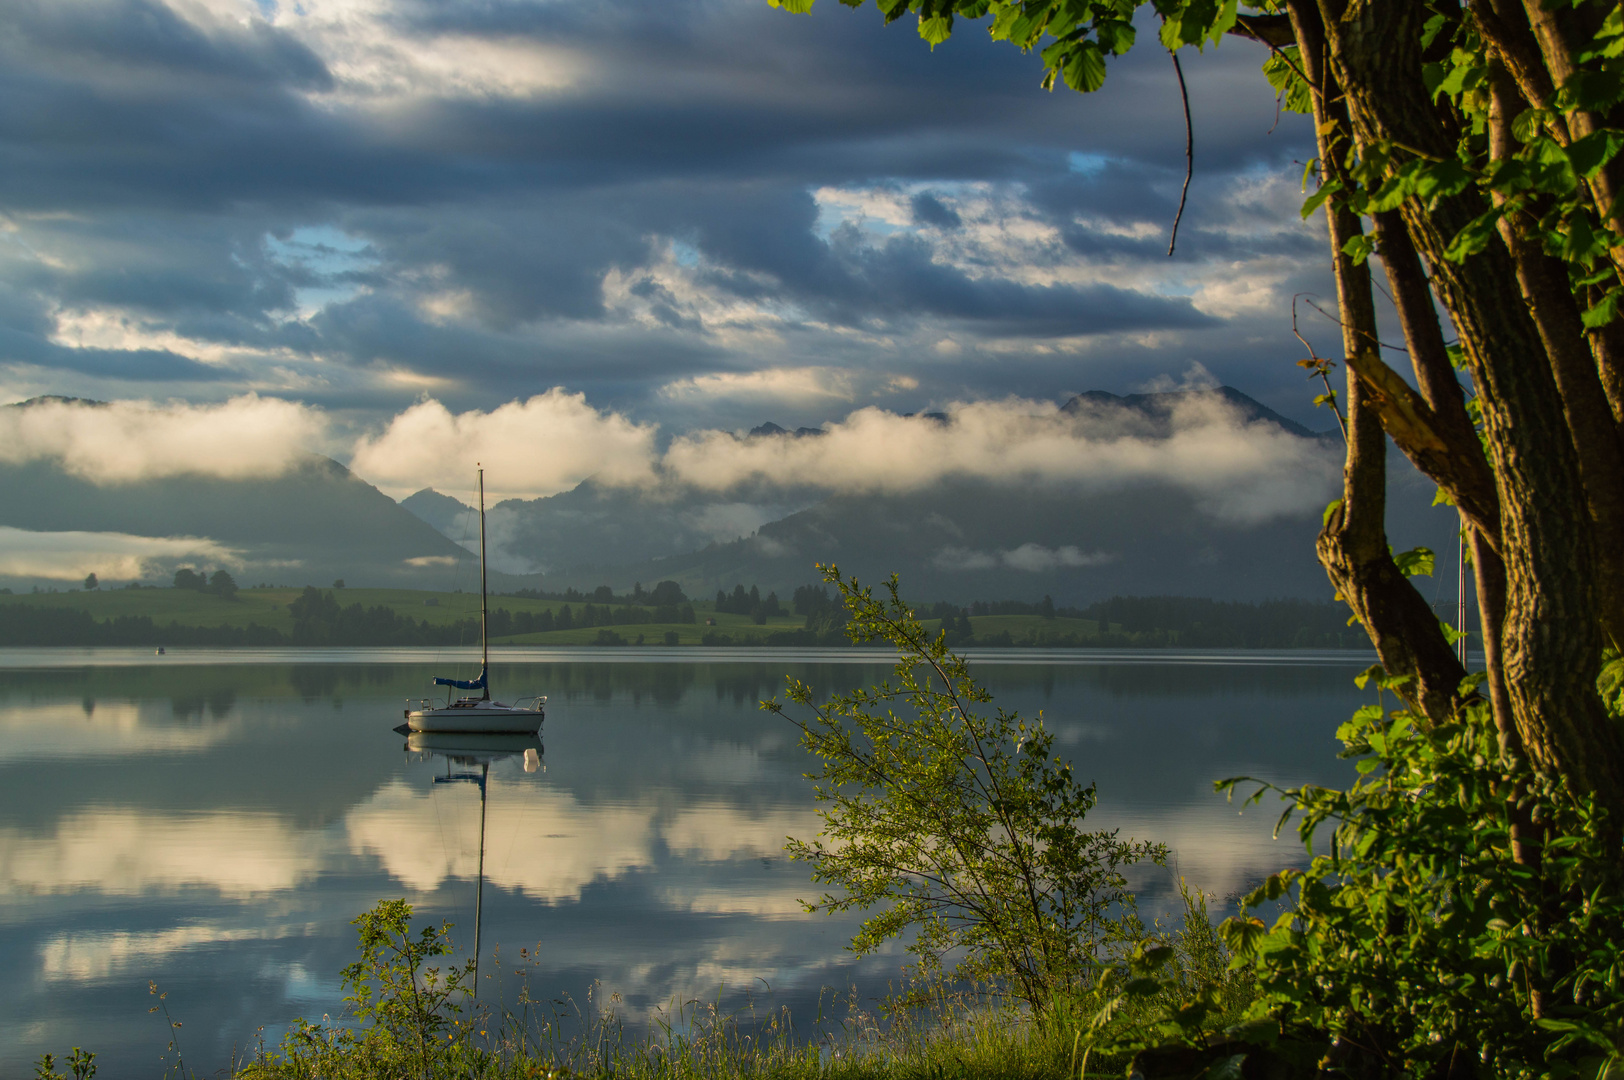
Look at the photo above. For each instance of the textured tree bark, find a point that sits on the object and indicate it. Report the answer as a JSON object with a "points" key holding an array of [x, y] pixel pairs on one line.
{"points": [[1545, 288], [1353, 544], [1607, 346], [1551, 638]]}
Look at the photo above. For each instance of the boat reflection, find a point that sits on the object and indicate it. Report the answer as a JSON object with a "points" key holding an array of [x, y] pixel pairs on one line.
{"points": [[469, 748], [481, 750]]}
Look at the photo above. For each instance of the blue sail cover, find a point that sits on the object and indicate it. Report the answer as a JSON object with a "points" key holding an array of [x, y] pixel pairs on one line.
{"points": [[463, 684]]}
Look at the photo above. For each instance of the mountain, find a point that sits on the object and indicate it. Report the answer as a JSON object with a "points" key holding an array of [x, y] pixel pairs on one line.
{"points": [[312, 524], [1158, 409], [593, 526], [442, 513], [969, 539]]}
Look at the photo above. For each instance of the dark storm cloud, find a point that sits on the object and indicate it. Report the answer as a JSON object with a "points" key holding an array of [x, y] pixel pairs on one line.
{"points": [[165, 156], [929, 210]]}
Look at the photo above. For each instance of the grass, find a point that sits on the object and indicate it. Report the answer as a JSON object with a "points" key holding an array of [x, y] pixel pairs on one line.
{"points": [[945, 1034], [268, 607]]}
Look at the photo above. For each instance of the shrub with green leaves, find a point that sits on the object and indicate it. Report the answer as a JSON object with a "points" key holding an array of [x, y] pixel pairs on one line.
{"points": [[958, 826], [408, 1014], [1417, 942]]}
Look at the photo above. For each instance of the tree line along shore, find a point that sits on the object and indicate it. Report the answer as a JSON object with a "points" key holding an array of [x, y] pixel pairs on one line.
{"points": [[215, 611]]}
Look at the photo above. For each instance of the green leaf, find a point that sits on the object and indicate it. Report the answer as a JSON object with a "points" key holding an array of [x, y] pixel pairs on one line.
{"points": [[1474, 236], [1085, 67], [1330, 508], [1602, 311], [1593, 151], [936, 29], [1436, 180], [1419, 561], [1611, 683], [794, 7], [1358, 248]]}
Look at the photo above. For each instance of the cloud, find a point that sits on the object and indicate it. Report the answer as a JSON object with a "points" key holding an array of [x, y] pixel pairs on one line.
{"points": [[112, 556], [768, 386], [117, 851], [102, 729], [1033, 558], [124, 441], [537, 447], [1238, 471], [95, 955]]}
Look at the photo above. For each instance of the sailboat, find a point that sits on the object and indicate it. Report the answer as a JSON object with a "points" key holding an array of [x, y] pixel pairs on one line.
{"points": [[477, 714]]}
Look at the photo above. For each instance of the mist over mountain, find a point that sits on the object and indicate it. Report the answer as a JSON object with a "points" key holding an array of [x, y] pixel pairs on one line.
{"points": [[1078, 539], [1197, 493], [311, 524]]}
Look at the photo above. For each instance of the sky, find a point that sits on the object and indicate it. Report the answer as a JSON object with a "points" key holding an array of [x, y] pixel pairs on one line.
{"points": [[404, 232]]}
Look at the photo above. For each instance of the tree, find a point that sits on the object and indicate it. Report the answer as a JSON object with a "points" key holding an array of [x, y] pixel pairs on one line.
{"points": [[1471, 148], [91, 584], [190, 579], [958, 825], [223, 585], [667, 594]]}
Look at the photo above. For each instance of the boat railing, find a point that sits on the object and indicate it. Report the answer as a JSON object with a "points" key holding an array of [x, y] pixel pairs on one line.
{"points": [[538, 703], [422, 704]]}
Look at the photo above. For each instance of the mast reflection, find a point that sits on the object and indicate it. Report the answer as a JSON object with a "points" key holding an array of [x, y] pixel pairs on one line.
{"points": [[471, 750]]}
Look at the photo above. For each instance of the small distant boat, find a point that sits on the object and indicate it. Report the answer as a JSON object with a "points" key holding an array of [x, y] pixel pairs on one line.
{"points": [[159, 651], [479, 714]]}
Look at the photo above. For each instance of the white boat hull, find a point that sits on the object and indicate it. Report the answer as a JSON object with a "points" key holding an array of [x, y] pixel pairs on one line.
{"points": [[478, 717]]}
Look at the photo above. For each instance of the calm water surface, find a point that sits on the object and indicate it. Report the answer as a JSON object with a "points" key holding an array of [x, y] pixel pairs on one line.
{"points": [[214, 820]]}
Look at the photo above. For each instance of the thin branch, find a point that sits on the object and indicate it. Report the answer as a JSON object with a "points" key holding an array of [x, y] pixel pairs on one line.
{"points": [[1189, 151], [1379, 343], [1322, 366]]}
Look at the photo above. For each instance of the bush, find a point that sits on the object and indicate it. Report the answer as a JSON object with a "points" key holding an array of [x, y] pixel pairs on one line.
{"points": [[959, 827], [409, 1013], [1423, 941]]}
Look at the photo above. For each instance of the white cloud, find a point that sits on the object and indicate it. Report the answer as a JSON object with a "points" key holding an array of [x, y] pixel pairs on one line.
{"points": [[99, 954], [374, 54], [103, 729], [1237, 471], [113, 556], [768, 386], [581, 845], [541, 446], [123, 441], [121, 852]]}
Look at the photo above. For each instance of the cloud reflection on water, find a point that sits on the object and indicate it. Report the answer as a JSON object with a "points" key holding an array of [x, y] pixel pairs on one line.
{"points": [[217, 827]]}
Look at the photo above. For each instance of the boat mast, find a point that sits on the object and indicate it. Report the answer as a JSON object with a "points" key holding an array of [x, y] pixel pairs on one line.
{"points": [[484, 631], [479, 890]]}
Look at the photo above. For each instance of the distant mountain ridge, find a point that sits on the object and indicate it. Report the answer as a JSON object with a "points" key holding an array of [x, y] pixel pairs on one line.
{"points": [[956, 540], [1161, 406], [313, 523]]}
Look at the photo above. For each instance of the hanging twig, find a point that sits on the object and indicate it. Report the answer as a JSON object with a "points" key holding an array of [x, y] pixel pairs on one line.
{"points": [[1320, 366], [1189, 150]]}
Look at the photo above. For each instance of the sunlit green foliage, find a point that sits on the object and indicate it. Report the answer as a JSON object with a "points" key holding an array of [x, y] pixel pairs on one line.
{"points": [[957, 827]]}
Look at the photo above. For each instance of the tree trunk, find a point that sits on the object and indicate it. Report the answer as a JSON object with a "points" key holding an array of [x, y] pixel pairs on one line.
{"points": [[1353, 545], [1551, 637]]}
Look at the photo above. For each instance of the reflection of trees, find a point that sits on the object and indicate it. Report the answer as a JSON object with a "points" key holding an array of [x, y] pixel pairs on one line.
{"points": [[315, 681], [218, 700]]}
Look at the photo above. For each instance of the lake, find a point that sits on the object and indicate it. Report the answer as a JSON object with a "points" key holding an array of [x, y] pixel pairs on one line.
{"points": [[212, 821]]}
